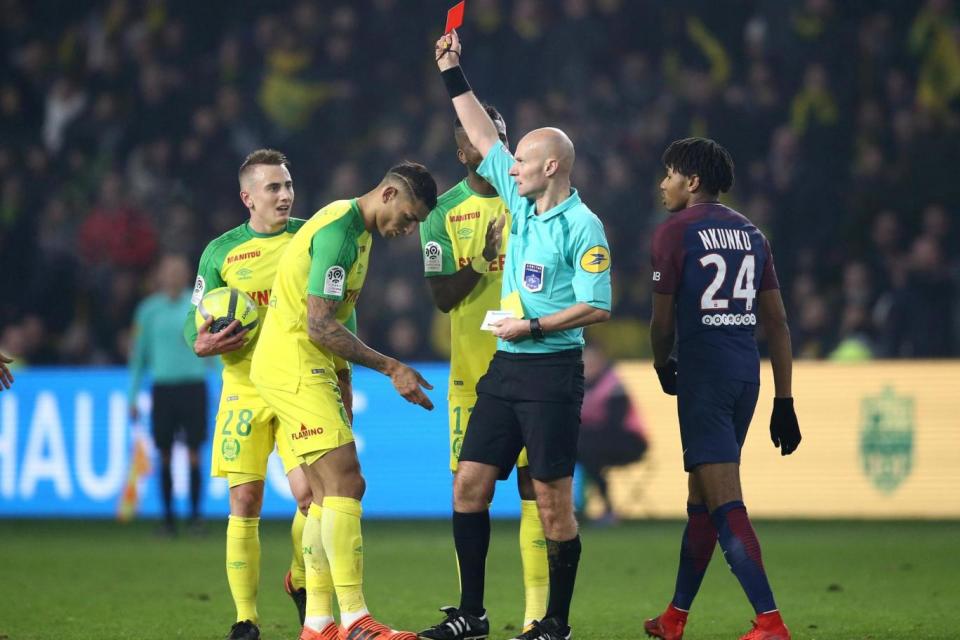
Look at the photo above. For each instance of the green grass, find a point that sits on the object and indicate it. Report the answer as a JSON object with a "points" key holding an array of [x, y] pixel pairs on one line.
{"points": [[833, 580]]}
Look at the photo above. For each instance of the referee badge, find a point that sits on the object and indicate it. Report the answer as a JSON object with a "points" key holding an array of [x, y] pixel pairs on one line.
{"points": [[533, 277]]}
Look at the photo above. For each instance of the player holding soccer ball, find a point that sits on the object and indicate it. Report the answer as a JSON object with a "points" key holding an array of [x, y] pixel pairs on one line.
{"points": [[464, 249], [713, 280], [246, 429], [317, 286]]}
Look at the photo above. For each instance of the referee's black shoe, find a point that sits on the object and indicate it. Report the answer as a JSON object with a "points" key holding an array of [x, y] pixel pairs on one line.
{"points": [[546, 629], [244, 630], [458, 625]]}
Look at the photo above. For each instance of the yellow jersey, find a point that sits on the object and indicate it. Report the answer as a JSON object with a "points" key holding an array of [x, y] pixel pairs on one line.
{"points": [[328, 257], [246, 260], [452, 235]]}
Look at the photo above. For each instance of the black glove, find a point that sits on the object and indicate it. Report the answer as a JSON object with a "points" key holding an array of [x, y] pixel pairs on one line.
{"points": [[784, 430], [668, 377]]}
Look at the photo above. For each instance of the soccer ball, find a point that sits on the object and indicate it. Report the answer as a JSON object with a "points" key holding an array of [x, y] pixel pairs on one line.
{"points": [[226, 304]]}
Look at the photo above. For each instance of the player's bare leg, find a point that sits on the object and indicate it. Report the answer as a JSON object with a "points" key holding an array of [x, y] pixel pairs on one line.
{"points": [[246, 500], [294, 582], [473, 486], [533, 552], [717, 483], [337, 482]]}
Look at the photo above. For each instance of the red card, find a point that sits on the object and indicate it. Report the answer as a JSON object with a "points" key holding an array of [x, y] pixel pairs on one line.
{"points": [[455, 16]]}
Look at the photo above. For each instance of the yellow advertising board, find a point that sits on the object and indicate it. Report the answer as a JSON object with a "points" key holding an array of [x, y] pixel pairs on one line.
{"points": [[880, 440]]}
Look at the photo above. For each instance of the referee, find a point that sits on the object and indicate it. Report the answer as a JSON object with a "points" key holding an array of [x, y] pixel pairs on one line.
{"points": [[557, 272], [179, 387]]}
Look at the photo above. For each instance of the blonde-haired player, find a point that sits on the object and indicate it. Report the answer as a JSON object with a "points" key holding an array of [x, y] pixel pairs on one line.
{"points": [[246, 258], [463, 255], [317, 285]]}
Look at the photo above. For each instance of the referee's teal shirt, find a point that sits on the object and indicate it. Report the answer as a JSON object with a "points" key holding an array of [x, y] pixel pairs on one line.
{"points": [[158, 343], [554, 260]]}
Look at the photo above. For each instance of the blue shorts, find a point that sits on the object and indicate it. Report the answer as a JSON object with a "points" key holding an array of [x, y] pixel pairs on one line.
{"points": [[714, 418]]}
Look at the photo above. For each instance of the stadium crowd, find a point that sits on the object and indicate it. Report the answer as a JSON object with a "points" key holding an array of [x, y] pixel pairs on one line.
{"points": [[123, 122]]}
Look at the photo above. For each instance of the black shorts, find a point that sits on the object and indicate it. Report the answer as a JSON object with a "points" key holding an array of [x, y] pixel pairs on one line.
{"points": [[179, 409], [532, 401]]}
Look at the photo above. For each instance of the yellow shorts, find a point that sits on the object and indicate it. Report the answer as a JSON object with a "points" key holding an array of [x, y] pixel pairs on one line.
{"points": [[460, 407], [244, 436], [312, 419]]}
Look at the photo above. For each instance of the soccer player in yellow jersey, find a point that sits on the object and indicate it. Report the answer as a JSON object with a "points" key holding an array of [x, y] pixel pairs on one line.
{"points": [[316, 289], [246, 258], [463, 255]]}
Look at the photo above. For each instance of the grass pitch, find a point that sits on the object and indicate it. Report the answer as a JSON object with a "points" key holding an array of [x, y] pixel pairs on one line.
{"points": [[69, 580]]}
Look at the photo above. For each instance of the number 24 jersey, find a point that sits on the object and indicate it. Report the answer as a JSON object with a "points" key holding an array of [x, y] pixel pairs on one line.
{"points": [[714, 261]]}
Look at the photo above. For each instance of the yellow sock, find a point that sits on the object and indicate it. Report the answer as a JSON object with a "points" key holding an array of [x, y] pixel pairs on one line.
{"points": [[297, 575], [318, 580], [533, 557], [344, 546], [243, 564]]}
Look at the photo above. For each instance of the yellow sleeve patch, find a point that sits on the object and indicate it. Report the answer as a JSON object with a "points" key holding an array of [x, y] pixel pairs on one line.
{"points": [[595, 259]]}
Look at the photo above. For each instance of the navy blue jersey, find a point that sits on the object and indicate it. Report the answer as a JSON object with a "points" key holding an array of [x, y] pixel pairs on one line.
{"points": [[714, 261]]}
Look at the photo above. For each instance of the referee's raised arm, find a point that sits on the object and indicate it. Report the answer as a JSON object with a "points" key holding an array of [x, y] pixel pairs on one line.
{"points": [[478, 125]]}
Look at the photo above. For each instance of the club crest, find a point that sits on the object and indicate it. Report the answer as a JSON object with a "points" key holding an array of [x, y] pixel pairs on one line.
{"points": [[886, 438]]}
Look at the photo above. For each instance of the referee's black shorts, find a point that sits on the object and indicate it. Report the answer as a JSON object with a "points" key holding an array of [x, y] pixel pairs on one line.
{"points": [[179, 408], [532, 400]]}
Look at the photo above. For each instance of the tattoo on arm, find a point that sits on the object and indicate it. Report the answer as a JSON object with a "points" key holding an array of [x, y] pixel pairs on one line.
{"points": [[326, 332]]}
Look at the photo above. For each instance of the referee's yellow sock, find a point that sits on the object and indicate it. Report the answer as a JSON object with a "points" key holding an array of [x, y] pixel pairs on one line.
{"points": [[533, 557], [318, 580], [243, 564], [297, 571], [344, 546]]}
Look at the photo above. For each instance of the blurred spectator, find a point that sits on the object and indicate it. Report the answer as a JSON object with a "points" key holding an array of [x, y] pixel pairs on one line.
{"points": [[920, 319], [611, 433], [122, 125], [116, 234]]}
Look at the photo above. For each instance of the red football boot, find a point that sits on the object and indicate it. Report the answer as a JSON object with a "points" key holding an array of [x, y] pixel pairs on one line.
{"points": [[668, 625], [769, 626]]}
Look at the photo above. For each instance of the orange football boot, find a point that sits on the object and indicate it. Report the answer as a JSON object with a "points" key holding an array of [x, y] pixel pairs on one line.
{"points": [[366, 628]]}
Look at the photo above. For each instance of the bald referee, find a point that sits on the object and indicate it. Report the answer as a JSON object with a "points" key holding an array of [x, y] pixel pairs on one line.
{"points": [[557, 271]]}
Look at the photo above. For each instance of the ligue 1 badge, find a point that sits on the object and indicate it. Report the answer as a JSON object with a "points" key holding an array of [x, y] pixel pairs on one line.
{"points": [[533, 277]]}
